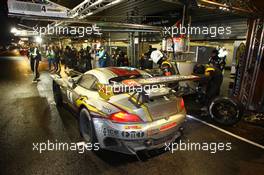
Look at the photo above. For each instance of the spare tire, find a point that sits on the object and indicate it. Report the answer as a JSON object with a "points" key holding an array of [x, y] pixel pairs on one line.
{"points": [[226, 111]]}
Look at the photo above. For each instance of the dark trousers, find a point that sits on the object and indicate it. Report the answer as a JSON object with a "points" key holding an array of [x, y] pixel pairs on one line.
{"points": [[36, 72], [88, 65], [213, 88], [102, 62], [58, 67], [32, 61], [51, 61], [150, 64]]}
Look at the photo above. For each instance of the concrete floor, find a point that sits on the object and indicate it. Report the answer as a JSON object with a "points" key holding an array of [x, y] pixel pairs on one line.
{"points": [[28, 115]]}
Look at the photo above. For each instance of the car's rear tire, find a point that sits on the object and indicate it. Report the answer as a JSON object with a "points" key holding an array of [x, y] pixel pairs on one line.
{"points": [[86, 126], [57, 94]]}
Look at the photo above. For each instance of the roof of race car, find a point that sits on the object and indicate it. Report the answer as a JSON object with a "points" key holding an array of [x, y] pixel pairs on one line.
{"points": [[105, 74]]}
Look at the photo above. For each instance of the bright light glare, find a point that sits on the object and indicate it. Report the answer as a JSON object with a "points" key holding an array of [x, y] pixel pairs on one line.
{"points": [[14, 30], [90, 13], [117, 1], [38, 39]]}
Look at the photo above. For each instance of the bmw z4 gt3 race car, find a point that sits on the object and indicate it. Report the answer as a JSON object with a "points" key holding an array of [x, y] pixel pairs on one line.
{"points": [[123, 109]]}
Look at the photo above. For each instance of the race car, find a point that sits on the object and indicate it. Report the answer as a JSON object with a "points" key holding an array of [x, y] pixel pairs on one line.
{"points": [[123, 109]]}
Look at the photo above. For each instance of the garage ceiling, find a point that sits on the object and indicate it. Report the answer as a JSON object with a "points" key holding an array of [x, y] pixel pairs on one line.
{"points": [[138, 11], [134, 10]]}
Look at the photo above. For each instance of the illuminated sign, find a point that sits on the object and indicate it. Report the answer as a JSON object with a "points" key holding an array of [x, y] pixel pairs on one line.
{"points": [[38, 8]]}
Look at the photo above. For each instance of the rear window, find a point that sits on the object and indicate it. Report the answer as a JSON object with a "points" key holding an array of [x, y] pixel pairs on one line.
{"points": [[88, 81]]}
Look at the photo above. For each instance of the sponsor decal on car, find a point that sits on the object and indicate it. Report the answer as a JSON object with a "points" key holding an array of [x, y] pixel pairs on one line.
{"points": [[132, 127]]}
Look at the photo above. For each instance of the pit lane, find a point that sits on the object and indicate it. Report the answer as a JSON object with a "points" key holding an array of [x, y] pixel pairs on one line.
{"points": [[28, 115]]}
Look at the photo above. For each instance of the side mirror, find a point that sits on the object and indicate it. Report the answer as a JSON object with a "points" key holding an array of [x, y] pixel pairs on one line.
{"points": [[72, 83]]}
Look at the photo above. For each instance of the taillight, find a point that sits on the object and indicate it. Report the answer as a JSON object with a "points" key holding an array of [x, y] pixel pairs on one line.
{"points": [[123, 117], [182, 107]]}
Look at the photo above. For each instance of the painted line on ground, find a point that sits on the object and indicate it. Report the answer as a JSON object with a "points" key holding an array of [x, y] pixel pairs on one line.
{"points": [[226, 132]]}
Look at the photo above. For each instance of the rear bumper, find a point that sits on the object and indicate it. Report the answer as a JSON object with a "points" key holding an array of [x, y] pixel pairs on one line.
{"points": [[134, 146], [131, 138]]}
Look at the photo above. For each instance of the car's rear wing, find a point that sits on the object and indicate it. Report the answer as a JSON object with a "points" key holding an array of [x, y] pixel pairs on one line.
{"points": [[139, 88], [140, 97], [160, 80]]}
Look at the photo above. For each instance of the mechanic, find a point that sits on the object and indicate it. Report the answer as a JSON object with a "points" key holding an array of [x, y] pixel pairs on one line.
{"points": [[214, 79], [159, 58]]}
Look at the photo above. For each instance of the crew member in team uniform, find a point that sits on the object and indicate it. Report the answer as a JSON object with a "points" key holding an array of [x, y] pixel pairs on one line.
{"points": [[214, 79]]}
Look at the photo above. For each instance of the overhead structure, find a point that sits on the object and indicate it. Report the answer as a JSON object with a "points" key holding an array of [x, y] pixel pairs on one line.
{"points": [[233, 6], [90, 7]]}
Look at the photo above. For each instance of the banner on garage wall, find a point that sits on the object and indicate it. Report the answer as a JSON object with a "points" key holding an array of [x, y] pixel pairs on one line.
{"points": [[37, 8], [167, 44], [179, 44], [175, 44]]}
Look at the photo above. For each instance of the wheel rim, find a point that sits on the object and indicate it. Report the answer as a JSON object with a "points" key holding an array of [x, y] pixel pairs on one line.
{"points": [[224, 112]]}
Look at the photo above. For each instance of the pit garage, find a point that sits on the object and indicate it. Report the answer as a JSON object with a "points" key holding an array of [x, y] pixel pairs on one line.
{"points": [[131, 87]]}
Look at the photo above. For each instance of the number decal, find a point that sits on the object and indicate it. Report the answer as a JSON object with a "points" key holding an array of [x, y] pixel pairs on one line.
{"points": [[43, 8]]}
